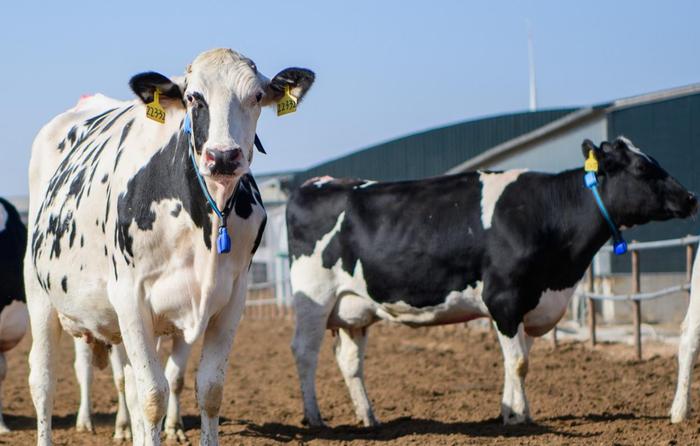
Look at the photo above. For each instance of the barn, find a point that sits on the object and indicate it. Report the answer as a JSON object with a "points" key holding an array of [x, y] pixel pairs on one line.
{"points": [[664, 124]]}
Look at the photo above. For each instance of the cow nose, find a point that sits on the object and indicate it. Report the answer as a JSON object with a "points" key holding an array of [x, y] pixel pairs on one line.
{"points": [[222, 161]]}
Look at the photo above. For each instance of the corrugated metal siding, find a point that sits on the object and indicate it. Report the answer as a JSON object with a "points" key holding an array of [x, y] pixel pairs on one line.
{"points": [[670, 132], [432, 152]]}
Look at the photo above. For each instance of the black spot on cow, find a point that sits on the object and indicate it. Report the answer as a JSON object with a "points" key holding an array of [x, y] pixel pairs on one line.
{"points": [[176, 210], [61, 145], [71, 238], [82, 241], [104, 178], [64, 284], [114, 119], [72, 134], [114, 266], [169, 174], [258, 238]]}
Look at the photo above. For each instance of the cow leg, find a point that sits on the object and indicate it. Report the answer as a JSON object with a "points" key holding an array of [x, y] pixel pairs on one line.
{"points": [[311, 321], [117, 358], [350, 355], [514, 405], [688, 348], [136, 326], [83, 372], [46, 331], [175, 374], [132, 401], [3, 373], [218, 339]]}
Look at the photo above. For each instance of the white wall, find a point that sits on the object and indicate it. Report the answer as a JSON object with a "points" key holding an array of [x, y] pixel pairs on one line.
{"points": [[553, 154]]}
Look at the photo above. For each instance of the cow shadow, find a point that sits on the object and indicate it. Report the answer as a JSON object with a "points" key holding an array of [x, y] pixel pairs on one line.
{"points": [[398, 428], [22, 422]]}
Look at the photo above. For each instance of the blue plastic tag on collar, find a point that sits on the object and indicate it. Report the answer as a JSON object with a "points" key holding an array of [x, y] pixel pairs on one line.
{"points": [[187, 125], [223, 241], [590, 179], [620, 247]]}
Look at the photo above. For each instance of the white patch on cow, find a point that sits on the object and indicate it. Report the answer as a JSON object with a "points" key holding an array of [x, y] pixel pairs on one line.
{"points": [[14, 321], [548, 312], [320, 181], [634, 148], [492, 186], [458, 306], [3, 217], [367, 183]]}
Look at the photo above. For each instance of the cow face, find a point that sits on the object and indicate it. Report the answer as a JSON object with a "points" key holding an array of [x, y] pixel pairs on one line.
{"points": [[636, 185], [223, 93]]}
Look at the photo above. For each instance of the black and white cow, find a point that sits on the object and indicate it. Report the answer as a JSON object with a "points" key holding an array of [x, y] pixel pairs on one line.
{"points": [[14, 319], [124, 243], [507, 245]]}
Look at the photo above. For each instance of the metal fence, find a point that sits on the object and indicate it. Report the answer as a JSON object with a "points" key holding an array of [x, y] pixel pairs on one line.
{"points": [[636, 296]]}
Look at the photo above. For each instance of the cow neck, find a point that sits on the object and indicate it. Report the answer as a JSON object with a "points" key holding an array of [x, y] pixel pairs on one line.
{"points": [[578, 217]]}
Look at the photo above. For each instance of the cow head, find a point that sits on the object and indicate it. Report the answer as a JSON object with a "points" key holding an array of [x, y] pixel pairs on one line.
{"points": [[636, 186], [223, 93]]}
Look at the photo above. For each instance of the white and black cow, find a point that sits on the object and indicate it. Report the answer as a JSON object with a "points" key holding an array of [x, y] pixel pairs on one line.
{"points": [[688, 348], [14, 319], [124, 244], [507, 245]]}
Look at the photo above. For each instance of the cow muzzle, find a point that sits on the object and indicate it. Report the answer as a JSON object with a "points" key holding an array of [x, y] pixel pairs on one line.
{"points": [[222, 162]]}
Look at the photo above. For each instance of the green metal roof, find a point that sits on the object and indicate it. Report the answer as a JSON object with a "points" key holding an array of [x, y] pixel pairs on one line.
{"points": [[434, 151]]}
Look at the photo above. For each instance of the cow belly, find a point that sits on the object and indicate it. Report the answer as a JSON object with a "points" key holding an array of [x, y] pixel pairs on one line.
{"points": [[14, 320], [548, 312], [458, 306]]}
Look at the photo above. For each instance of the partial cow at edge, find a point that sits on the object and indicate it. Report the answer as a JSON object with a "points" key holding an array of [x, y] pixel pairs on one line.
{"points": [[688, 348], [506, 245], [14, 318]]}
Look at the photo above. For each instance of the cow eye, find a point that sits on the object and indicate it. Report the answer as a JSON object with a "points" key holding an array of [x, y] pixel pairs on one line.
{"points": [[190, 98]]}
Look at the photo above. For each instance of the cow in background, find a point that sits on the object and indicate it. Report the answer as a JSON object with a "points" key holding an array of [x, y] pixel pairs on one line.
{"points": [[14, 319], [506, 245]]}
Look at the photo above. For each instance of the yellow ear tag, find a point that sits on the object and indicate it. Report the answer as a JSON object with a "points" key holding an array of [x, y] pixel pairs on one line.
{"points": [[154, 110], [591, 164], [288, 103]]}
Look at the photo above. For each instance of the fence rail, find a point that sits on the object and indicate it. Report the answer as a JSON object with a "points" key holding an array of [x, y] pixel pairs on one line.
{"points": [[636, 296]]}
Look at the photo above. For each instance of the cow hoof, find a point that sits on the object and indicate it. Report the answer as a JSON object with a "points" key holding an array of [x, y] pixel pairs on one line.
{"points": [[315, 422], [122, 434], [84, 426], [176, 434], [515, 419], [369, 422], [678, 415], [3, 428]]}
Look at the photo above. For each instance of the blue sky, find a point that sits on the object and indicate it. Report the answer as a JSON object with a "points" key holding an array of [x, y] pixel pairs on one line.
{"points": [[384, 68]]}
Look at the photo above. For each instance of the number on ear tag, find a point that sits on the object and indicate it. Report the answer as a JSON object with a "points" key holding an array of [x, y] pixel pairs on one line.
{"points": [[591, 164], [154, 110], [288, 103]]}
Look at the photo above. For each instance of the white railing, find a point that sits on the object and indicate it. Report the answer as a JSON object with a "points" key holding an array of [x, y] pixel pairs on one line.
{"points": [[637, 296]]}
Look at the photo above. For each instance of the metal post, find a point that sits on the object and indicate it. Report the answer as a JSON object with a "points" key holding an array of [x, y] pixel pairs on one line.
{"points": [[591, 306], [637, 305], [555, 342]]}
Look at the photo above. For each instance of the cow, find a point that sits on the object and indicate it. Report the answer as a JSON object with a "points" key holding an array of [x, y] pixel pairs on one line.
{"points": [[143, 220], [14, 318], [506, 245], [688, 347]]}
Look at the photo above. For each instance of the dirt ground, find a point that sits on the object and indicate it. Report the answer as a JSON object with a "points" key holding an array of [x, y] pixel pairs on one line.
{"points": [[429, 386]]}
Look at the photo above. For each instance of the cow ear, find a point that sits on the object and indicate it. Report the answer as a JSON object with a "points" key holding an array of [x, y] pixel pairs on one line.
{"points": [[587, 146], [299, 81], [144, 85]]}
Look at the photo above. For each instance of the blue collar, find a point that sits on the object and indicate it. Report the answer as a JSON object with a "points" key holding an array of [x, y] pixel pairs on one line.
{"points": [[619, 243], [223, 241]]}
